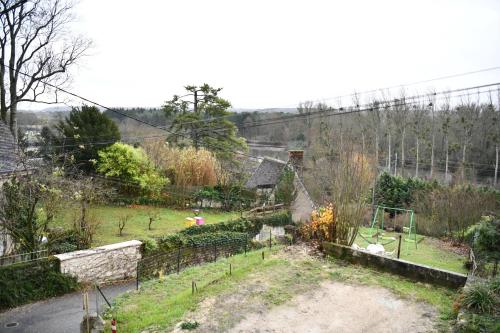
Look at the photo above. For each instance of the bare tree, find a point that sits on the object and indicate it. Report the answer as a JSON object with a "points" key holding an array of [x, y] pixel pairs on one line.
{"points": [[36, 53]]}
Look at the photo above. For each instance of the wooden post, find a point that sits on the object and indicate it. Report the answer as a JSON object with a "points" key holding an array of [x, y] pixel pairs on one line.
{"points": [[399, 246], [262, 255], [230, 269], [246, 242], [178, 260], [137, 277], [215, 251], [270, 235]]}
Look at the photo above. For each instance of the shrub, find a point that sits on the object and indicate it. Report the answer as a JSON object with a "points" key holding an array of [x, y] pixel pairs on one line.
{"points": [[479, 297], [250, 225], [244, 228], [487, 240], [32, 281], [399, 192], [175, 241], [133, 168]]}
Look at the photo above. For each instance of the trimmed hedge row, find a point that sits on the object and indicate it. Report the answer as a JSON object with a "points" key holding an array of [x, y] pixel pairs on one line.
{"points": [[251, 225], [223, 232], [220, 238], [33, 281]]}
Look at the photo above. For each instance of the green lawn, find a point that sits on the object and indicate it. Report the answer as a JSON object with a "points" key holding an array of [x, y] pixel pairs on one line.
{"points": [[255, 284], [427, 252], [137, 226]]}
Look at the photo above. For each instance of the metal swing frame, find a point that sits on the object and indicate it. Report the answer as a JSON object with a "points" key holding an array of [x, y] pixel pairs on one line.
{"points": [[412, 229]]}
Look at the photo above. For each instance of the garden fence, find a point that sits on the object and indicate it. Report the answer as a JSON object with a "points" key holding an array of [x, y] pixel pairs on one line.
{"points": [[23, 257], [177, 259]]}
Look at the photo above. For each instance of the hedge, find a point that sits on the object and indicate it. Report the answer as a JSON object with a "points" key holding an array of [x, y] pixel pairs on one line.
{"points": [[220, 238], [250, 225], [33, 281], [243, 228]]}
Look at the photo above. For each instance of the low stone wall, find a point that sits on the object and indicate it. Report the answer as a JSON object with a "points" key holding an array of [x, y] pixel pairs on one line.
{"points": [[103, 264], [397, 266]]}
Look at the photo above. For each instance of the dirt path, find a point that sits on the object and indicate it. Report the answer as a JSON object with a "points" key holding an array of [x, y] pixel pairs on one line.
{"points": [[296, 299], [339, 307]]}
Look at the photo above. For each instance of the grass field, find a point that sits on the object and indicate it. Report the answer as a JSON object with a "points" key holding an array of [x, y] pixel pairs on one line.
{"points": [[170, 221], [255, 285], [428, 251]]}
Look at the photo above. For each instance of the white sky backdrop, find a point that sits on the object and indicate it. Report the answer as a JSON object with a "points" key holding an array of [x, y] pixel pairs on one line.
{"points": [[278, 53]]}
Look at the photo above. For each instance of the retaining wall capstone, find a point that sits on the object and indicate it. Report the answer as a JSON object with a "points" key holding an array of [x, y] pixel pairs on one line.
{"points": [[103, 264], [407, 269]]}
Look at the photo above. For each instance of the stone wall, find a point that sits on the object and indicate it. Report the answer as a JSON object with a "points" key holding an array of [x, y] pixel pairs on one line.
{"points": [[397, 266], [103, 264]]}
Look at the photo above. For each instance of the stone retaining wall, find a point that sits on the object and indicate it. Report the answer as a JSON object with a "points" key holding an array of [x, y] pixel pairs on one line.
{"points": [[103, 264], [397, 266]]}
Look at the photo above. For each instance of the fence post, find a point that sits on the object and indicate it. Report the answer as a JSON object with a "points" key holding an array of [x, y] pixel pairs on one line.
{"points": [[178, 260], [399, 245], [215, 251], [246, 242], [230, 269], [270, 238], [137, 276]]}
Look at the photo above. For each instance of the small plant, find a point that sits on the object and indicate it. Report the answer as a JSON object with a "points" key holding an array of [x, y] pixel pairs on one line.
{"points": [[153, 215], [479, 297], [122, 221], [189, 325]]}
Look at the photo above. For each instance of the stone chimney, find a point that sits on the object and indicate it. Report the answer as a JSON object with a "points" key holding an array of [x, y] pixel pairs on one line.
{"points": [[296, 158]]}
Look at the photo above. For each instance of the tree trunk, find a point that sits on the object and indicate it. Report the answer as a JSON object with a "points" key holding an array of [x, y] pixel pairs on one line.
{"points": [[446, 163], [396, 165], [3, 95], [495, 179], [376, 149], [389, 156], [403, 153], [432, 154], [463, 160], [416, 162]]}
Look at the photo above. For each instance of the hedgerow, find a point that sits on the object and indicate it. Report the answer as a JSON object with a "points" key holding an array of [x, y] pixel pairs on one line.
{"points": [[32, 281]]}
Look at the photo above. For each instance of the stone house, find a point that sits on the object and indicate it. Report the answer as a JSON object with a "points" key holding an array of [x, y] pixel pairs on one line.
{"points": [[267, 175], [9, 166]]}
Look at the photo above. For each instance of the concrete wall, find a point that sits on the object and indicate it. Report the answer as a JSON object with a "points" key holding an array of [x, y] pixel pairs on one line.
{"points": [[396, 266], [103, 264]]}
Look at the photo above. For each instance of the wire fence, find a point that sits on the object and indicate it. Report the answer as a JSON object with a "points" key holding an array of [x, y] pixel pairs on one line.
{"points": [[23, 257], [177, 259]]}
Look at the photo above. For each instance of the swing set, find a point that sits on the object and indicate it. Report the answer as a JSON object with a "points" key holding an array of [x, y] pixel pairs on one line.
{"points": [[377, 227]]}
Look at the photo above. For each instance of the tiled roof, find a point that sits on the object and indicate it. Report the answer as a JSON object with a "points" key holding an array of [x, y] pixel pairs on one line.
{"points": [[267, 174], [9, 157]]}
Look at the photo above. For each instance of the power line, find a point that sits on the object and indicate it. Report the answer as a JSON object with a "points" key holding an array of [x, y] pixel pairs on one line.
{"points": [[410, 84]]}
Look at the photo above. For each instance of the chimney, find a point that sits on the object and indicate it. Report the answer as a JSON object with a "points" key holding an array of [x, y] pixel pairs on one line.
{"points": [[296, 158]]}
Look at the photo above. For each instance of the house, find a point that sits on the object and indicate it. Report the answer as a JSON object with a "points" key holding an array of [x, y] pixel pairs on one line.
{"points": [[9, 166], [267, 175]]}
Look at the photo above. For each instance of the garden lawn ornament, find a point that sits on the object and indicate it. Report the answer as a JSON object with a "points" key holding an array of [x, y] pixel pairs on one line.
{"points": [[113, 325], [190, 221], [199, 220]]}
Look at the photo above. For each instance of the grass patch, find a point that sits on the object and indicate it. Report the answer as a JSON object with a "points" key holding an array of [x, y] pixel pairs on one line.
{"points": [[266, 283], [427, 252], [170, 221]]}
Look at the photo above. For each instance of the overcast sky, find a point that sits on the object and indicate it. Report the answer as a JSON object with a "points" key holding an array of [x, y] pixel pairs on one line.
{"points": [[278, 53]]}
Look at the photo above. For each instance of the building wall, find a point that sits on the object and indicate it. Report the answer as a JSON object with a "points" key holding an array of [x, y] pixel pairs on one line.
{"points": [[103, 264], [302, 207]]}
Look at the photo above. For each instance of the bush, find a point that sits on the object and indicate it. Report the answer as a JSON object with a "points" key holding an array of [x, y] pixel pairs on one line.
{"points": [[62, 241], [224, 237], [479, 297], [33, 281], [250, 225], [244, 228], [399, 192]]}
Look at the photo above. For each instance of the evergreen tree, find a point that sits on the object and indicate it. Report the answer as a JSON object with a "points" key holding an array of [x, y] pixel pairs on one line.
{"points": [[203, 122], [83, 133]]}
